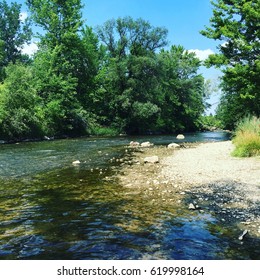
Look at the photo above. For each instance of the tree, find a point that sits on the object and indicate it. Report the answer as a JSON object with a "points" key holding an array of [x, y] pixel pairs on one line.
{"points": [[1, 59], [128, 36], [61, 65], [61, 21], [237, 24], [14, 33], [21, 114], [182, 90], [128, 76], [58, 18], [87, 59]]}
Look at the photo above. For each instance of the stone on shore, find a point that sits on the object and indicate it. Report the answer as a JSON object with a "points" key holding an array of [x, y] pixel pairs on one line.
{"points": [[153, 159], [76, 162], [134, 144], [173, 146], [192, 206], [146, 144]]}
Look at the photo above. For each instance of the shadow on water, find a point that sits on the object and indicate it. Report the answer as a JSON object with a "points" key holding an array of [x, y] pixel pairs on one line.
{"points": [[50, 209]]}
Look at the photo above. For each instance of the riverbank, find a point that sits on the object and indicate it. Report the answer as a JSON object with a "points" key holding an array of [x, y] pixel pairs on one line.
{"points": [[200, 177]]}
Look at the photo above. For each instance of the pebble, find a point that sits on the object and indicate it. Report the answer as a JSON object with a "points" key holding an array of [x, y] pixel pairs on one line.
{"points": [[192, 206]]}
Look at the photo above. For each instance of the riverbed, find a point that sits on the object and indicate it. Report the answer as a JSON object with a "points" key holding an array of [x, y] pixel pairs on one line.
{"points": [[51, 208]]}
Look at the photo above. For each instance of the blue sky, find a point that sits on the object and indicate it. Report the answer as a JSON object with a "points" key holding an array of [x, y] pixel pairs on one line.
{"points": [[183, 19]]}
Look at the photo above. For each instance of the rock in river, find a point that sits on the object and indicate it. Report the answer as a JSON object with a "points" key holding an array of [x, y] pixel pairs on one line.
{"points": [[180, 136]]}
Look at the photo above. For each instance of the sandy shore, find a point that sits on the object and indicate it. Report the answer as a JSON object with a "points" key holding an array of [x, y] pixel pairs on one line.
{"points": [[204, 175]]}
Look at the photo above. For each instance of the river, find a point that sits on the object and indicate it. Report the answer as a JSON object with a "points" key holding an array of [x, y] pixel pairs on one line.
{"points": [[52, 209]]}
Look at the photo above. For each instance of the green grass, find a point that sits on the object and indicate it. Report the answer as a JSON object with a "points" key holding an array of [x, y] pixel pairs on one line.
{"points": [[247, 137]]}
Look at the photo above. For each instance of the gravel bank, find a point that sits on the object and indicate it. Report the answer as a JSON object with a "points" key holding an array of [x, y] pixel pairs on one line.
{"points": [[204, 175], [218, 182], [210, 162]]}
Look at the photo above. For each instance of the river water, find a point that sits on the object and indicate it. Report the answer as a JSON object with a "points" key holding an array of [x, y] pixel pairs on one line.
{"points": [[52, 209]]}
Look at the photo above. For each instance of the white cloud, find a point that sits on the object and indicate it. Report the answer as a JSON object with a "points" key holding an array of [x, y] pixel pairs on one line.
{"points": [[29, 49], [23, 16], [202, 54]]}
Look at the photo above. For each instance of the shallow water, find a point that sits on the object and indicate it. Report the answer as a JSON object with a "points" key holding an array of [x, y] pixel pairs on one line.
{"points": [[50, 209]]}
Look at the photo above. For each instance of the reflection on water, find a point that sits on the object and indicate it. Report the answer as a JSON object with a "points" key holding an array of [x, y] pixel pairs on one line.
{"points": [[50, 209]]}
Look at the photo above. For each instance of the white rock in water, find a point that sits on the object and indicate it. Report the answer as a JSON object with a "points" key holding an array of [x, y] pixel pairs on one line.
{"points": [[76, 162], [180, 136], [174, 146], [153, 159]]}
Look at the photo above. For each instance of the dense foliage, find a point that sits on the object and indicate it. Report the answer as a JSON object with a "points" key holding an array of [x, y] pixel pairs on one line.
{"points": [[14, 33], [236, 23], [116, 79]]}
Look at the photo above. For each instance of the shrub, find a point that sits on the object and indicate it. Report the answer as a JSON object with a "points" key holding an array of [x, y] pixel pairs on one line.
{"points": [[247, 137], [20, 107]]}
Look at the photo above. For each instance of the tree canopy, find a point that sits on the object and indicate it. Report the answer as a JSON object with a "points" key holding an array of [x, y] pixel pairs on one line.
{"points": [[236, 23], [14, 33], [121, 77]]}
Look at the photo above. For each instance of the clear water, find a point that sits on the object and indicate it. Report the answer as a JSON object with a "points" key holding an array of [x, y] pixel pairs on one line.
{"points": [[50, 209]]}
